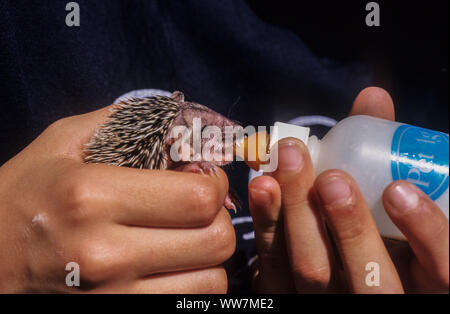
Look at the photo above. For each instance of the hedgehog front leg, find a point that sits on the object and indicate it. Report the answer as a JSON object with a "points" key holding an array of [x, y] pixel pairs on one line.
{"points": [[205, 167]]}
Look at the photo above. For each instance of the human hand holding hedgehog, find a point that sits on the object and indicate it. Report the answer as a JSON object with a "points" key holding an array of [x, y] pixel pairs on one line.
{"points": [[161, 228], [130, 230]]}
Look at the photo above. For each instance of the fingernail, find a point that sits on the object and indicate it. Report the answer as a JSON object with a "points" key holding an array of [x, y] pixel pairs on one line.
{"points": [[290, 156], [403, 197], [334, 191], [260, 198]]}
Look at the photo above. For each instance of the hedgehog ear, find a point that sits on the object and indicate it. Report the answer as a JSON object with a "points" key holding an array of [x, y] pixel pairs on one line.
{"points": [[177, 96]]}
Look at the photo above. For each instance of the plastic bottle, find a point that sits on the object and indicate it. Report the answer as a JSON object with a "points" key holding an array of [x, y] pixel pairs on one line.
{"points": [[376, 152]]}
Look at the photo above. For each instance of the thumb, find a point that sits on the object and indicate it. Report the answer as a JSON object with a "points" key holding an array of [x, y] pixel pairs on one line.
{"points": [[274, 274], [89, 123], [375, 102]]}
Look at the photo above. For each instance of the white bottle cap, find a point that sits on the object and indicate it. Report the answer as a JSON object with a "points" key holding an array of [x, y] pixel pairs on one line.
{"points": [[284, 130]]}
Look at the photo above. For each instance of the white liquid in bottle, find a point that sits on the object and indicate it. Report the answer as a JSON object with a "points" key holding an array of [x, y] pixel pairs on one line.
{"points": [[376, 152]]}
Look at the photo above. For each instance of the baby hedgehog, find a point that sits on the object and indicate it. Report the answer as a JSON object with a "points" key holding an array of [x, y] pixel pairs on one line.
{"points": [[137, 135]]}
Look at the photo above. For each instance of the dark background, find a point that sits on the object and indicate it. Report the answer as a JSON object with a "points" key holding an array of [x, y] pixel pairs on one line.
{"points": [[408, 54], [255, 61]]}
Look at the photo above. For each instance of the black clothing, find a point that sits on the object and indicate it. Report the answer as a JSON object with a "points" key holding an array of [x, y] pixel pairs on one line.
{"points": [[254, 61]]}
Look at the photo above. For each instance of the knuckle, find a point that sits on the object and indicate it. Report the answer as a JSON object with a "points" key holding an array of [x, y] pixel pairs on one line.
{"points": [[94, 258], [58, 124], [216, 281], [221, 238], [351, 230], [347, 222], [312, 275], [296, 201], [206, 202], [76, 194]]}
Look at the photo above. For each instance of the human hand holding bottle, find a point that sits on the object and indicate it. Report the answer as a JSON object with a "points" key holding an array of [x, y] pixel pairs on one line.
{"points": [[297, 252]]}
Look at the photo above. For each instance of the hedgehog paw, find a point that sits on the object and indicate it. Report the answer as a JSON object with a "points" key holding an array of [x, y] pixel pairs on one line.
{"points": [[228, 203]]}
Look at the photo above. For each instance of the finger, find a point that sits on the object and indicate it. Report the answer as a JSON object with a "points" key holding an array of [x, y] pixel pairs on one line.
{"points": [[202, 281], [174, 250], [375, 102], [424, 225], [125, 253], [150, 198], [274, 274], [307, 244], [355, 233]]}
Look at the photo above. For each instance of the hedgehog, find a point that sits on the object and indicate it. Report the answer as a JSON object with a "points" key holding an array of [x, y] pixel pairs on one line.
{"points": [[137, 133]]}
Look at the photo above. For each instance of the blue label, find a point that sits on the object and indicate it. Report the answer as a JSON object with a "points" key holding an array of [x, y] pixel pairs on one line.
{"points": [[420, 156]]}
